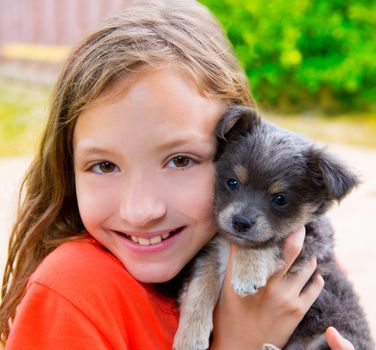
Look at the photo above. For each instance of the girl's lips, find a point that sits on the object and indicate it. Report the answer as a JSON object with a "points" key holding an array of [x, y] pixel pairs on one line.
{"points": [[153, 244]]}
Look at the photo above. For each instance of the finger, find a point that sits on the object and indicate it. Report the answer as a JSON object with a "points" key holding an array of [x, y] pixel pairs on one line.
{"points": [[336, 341], [233, 250], [343, 268], [311, 292], [301, 277], [291, 249]]}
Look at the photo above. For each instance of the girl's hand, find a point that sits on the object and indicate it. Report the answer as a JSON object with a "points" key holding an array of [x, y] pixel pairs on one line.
{"points": [[272, 314], [336, 341]]}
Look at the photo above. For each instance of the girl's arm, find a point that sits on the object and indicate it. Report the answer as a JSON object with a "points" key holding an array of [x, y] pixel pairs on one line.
{"points": [[272, 314]]}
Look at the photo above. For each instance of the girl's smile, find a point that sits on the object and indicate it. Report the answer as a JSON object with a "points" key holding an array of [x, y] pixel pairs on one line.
{"points": [[144, 175], [150, 238], [156, 243]]}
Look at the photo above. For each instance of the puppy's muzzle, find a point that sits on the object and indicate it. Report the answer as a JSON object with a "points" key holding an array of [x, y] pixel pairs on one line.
{"points": [[242, 223]]}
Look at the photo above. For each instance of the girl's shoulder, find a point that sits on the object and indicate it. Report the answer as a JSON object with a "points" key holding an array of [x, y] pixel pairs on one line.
{"points": [[85, 273], [75, 257], [78, 269], [80, 288]]}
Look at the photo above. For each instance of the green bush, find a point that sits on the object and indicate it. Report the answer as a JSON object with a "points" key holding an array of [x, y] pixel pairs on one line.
{"points": [[23, 111], [305, 54]]}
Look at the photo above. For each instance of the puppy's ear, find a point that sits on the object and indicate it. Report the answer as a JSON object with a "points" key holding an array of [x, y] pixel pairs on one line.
{"points": [[328, 174], [238, 120]]}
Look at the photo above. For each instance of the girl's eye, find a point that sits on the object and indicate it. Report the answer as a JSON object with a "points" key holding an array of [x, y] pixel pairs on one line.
{"points": [[104, 168], [180, 162], [279, 200], [232, 184]]}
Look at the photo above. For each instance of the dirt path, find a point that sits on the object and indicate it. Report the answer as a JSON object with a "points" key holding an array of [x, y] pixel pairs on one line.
{"points": [[353, 220]]}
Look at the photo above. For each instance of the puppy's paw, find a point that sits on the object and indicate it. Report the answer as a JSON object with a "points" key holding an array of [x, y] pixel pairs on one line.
{"points": [[192, 338], [192, 346], [269, 347], [247, 284], [242, 289]]}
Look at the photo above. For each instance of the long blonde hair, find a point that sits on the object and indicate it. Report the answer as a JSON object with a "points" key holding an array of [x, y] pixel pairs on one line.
{"points": [[150, 34]]}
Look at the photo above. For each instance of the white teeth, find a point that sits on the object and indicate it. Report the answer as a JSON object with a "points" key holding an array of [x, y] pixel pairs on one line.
{"points": [[155, 240], [144, 241], [151, 241]]}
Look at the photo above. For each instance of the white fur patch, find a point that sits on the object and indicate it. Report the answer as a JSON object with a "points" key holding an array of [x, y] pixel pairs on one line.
{"points": [[252, 268], [228, 212]]}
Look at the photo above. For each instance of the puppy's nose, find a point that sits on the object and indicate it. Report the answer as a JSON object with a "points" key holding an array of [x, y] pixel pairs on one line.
{"points": [[242, 223]]}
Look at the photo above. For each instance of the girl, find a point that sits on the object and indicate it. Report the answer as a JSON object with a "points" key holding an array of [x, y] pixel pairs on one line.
{"points": [[119, 198]]}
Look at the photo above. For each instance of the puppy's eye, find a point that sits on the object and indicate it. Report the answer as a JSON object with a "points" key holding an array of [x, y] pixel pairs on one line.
{"points": [[279, 200], [232, 184]]}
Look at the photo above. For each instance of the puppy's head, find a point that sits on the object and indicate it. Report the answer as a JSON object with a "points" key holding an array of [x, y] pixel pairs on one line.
{"points": [[271, 181]]}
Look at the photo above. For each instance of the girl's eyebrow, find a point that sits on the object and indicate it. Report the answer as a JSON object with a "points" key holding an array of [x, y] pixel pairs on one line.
{"points": [[191, 141], [87, 150], [186, 141]]}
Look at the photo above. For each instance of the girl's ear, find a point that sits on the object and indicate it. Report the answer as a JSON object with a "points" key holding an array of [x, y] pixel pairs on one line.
{"points": [[329, 174], [238, 120]]}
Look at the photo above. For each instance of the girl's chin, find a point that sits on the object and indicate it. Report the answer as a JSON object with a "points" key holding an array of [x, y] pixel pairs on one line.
{"points": [[154, 275]]}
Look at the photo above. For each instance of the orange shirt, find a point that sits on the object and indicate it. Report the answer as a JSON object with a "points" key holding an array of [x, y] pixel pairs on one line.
{"points": [[82, 297]]}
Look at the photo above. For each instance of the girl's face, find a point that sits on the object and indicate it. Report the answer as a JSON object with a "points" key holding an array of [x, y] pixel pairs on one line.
{"points": [[144, 173]]}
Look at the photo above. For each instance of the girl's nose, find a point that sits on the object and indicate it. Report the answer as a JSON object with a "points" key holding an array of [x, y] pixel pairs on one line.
{"points": [[141, 203]]}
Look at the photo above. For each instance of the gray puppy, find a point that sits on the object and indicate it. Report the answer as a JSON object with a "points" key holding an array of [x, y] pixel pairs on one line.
{"points": [[270, 182]]}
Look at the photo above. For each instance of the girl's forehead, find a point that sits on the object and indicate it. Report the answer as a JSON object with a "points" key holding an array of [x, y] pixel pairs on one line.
{"points": [[144, 75], [164, 101], [147, 97]]}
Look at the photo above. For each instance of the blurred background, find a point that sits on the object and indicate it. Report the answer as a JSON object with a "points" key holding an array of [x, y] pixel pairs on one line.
{"points": [[311, 66]]}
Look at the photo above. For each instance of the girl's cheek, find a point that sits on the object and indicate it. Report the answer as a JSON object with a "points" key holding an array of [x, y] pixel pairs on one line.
{"points": [[192, 189], [187, 191], [95, 197]]}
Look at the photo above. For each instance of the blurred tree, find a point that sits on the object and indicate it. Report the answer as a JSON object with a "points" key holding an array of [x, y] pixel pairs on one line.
{"points": [[311, 54]]}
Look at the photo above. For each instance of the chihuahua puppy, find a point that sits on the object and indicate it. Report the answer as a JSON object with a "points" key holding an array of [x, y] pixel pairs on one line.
{"points": [[269, 183]]}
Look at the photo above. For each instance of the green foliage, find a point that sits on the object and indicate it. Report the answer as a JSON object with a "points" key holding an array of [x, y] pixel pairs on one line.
{"points": [[22, 113], [314, 54]]}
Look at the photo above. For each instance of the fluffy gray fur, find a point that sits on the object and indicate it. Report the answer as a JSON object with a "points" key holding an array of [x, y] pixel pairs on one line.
{"points": [[270, 181]]}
